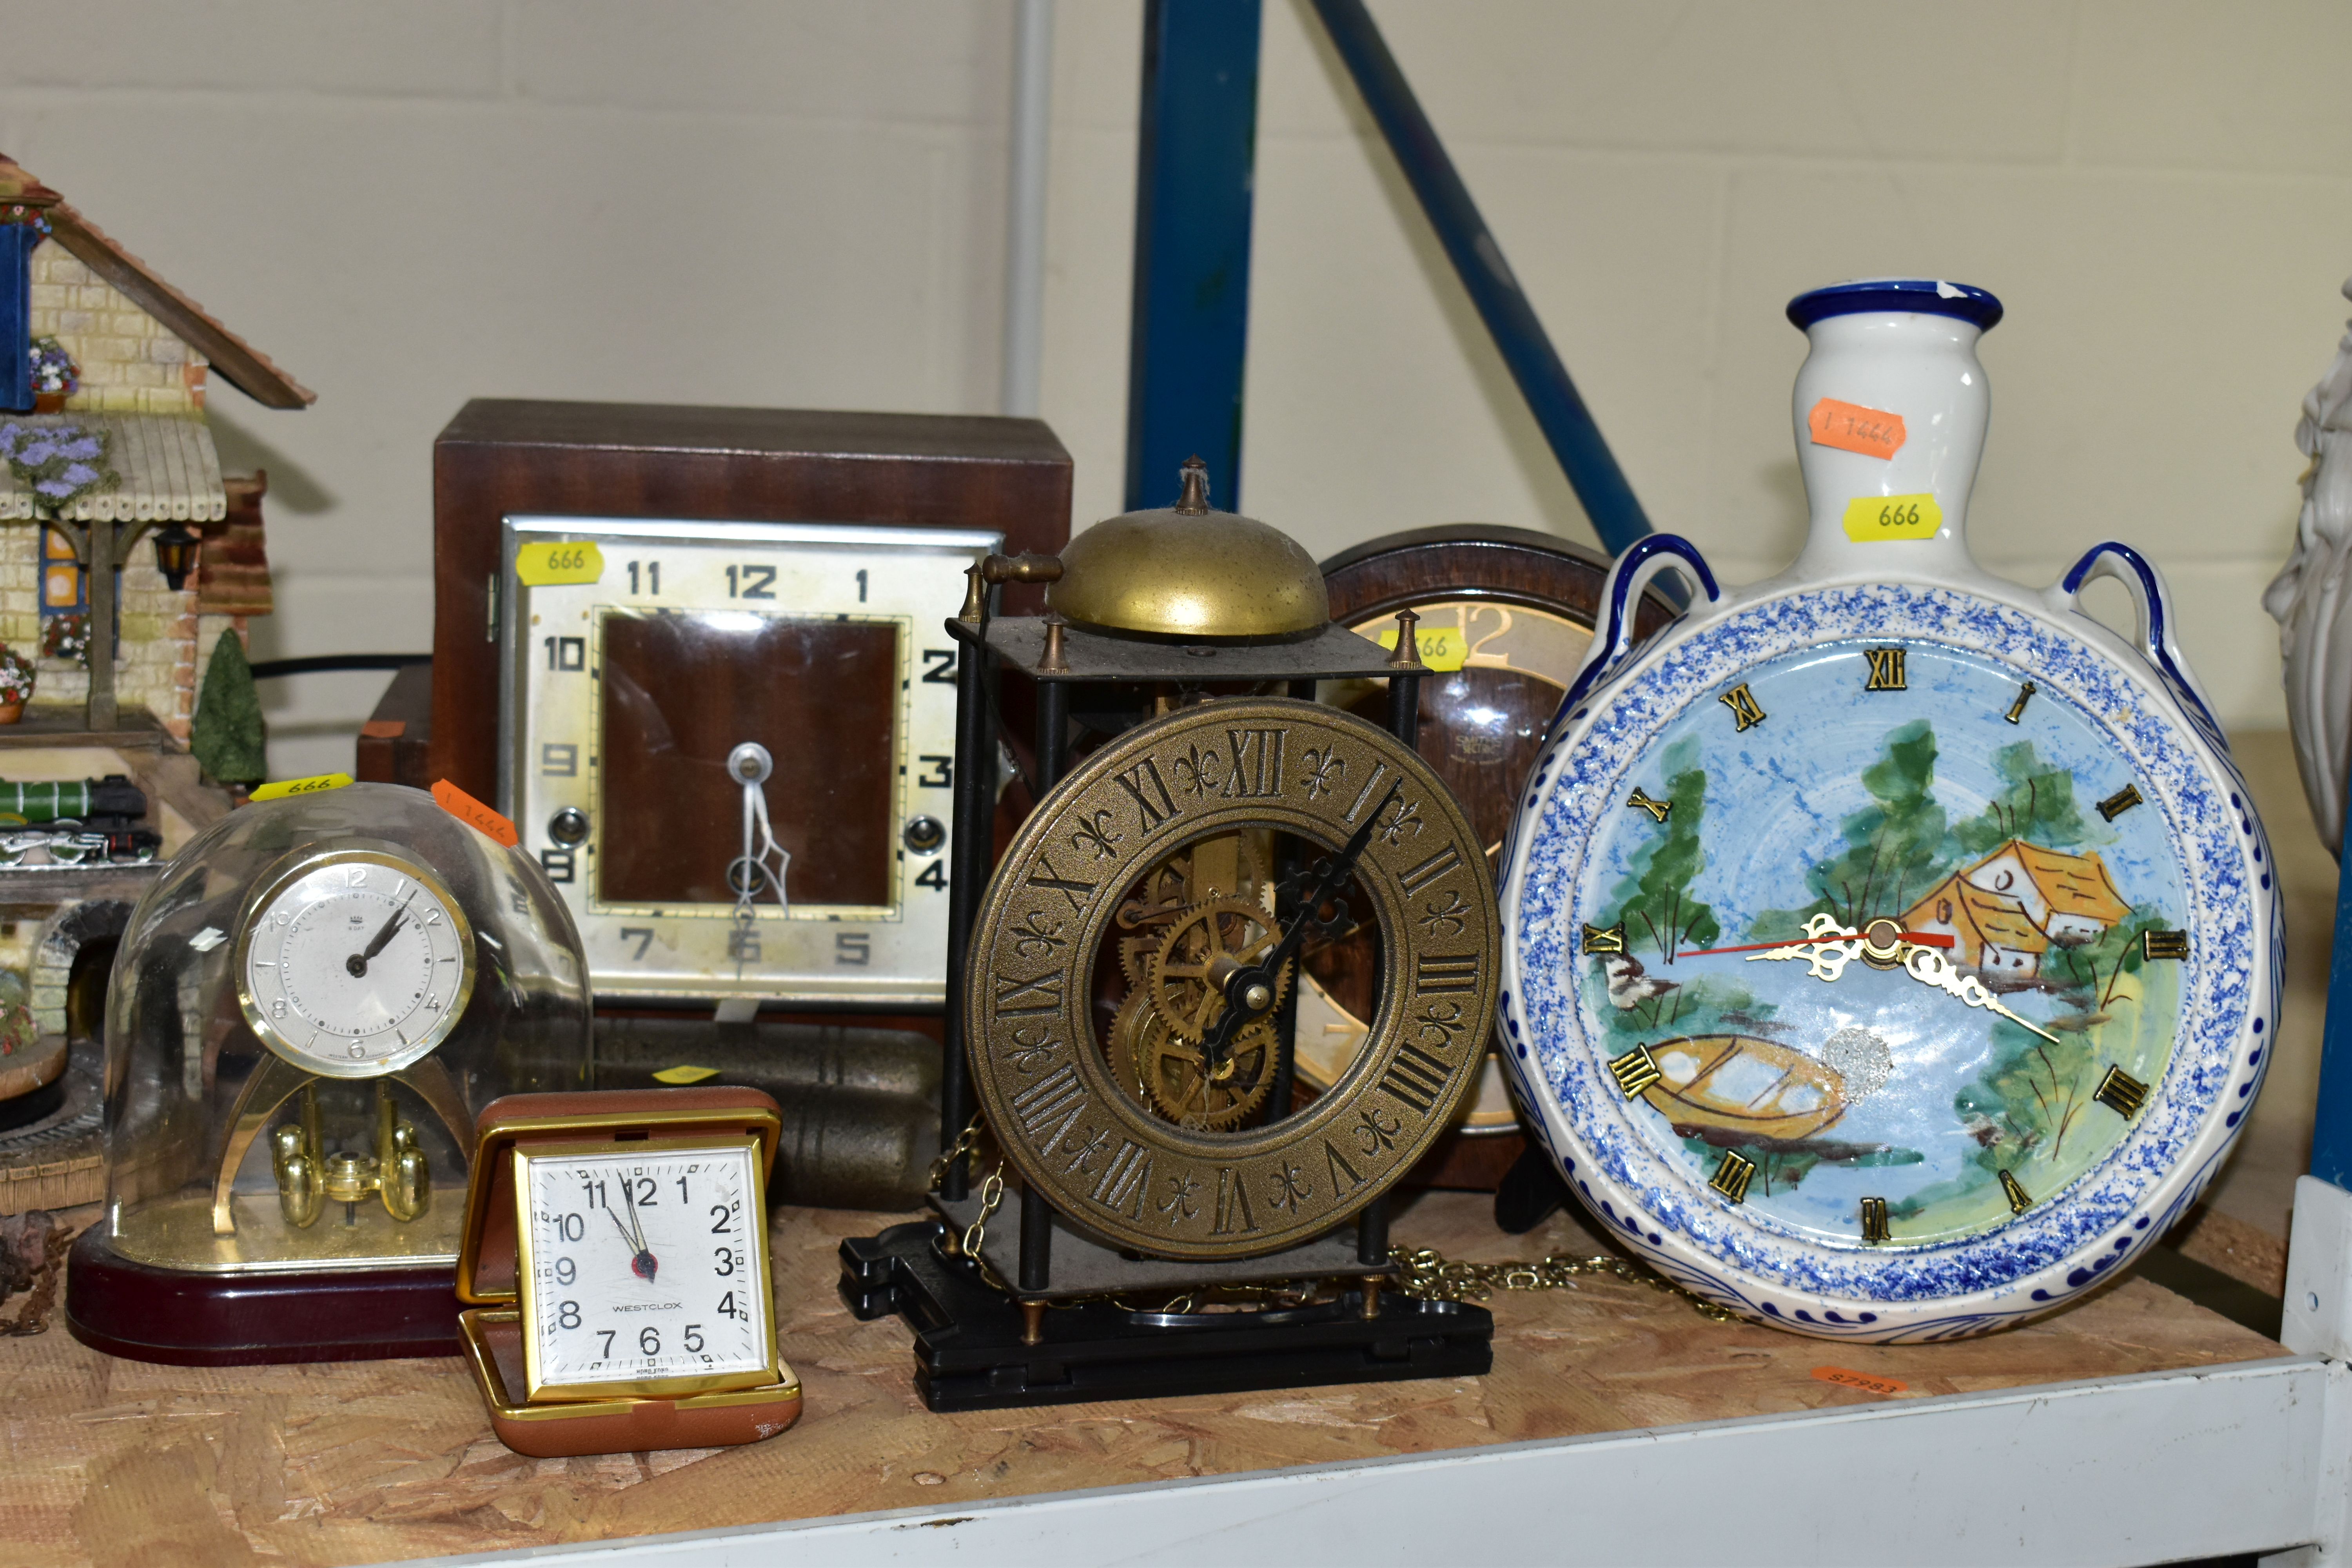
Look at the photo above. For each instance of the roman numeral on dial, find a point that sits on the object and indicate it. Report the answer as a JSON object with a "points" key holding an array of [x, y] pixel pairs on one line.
{"points": [[1731, 1177], [2121, 1093], [1446, 860], [1055, 1101], [1742, 703], [1612, 939], [1873, 1220], [1257, 771], [1415, 1079], [1635, 1070], [1446, 971], [1149, 791], [1886, 669], [1045, 876], [1017, 997], [1233, 1217], [1126, 1181]]}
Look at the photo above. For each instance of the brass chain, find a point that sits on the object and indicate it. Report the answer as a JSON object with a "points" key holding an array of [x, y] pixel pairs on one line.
{"points": [[991, 1198], [1431, 1276], [967, 1143]]}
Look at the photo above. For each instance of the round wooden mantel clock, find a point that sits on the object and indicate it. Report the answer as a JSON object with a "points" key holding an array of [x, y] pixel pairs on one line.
{"points": [[1890, 952], [1505, 615]]}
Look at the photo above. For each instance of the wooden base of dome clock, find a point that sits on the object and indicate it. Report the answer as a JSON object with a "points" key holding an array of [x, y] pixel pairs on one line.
{"points": [[185, 1318]]}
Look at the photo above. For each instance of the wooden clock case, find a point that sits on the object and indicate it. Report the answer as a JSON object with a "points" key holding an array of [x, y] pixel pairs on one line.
{"points": [[1508, 566], [502, 457]]}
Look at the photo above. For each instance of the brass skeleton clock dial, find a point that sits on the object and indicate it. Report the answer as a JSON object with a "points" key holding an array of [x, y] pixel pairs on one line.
{"points": [[1156, 1139]]}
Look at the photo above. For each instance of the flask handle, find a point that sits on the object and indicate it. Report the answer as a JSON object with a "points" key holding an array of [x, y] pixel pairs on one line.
{"points": [[2153, 601], [1621, 601]]}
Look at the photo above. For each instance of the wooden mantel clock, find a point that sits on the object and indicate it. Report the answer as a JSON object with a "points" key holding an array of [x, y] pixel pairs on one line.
{"points": [[642, 613]]}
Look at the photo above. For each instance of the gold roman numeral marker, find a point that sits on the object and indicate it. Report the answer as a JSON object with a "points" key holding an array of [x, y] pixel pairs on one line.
{"points": [[1873, 1220], [1886, 669], [2121, 1093], [2017, 709], [2164, 943], [2123, 800], [1634, 1071], [1731, 1177], [1742, 703], [2017, 1202], [1657, 808], [1612, 939]]}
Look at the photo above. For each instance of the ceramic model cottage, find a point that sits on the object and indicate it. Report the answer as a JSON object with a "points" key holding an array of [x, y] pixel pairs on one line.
{"points": [[103, 368]]}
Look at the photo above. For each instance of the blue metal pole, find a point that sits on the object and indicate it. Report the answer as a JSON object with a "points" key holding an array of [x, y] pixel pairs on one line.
{"points": [[1617, 517], [1189, 326], [2331, 1128]]}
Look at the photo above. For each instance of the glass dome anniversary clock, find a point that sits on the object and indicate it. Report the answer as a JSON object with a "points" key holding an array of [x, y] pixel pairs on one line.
{"points": [[1891, 952], [308, 1011]]}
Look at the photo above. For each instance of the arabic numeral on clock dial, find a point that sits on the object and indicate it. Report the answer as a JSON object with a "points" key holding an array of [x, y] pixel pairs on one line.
{"points": [[653, 578], [751, 582], [727, 1307]]}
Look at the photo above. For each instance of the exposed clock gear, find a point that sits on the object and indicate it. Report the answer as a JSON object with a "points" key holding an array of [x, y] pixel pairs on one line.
{"points": [[1190, 1091], [1201, 951]]}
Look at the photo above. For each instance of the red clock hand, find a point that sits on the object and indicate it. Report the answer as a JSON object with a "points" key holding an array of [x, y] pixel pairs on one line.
{"points": [[1919, 938]]}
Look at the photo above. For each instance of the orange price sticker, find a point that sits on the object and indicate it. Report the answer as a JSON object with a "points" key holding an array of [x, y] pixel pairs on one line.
{"points": [[474, 813], [1861, 1380], [1872, 431]]}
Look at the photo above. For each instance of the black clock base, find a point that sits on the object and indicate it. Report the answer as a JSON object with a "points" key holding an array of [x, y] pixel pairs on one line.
{"points": [[969, 1354]]}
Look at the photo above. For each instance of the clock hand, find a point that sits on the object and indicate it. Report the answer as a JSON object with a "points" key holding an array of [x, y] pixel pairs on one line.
{"points": [[1930, 969], [1249, 989], [643, 1263], [1916, 938], [357, 963]]}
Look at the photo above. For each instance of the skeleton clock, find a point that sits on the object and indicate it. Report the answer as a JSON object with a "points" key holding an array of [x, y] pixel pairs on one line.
{"points": [[1125, 1005]]}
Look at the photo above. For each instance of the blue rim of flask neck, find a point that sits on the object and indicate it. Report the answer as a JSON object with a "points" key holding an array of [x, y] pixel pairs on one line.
{"points": [[1925, 295]]}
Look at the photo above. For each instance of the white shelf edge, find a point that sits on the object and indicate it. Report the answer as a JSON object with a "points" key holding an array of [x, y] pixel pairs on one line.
{"points": [[2124, 1471]]}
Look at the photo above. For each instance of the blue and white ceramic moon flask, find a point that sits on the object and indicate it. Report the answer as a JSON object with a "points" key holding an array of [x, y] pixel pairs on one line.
{"points": [[1891, 952]]}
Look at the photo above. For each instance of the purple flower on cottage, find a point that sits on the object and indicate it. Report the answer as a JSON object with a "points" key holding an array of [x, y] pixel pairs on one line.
{"points": [[56, 490], [80, 474], [82, 449], [40, 452]]}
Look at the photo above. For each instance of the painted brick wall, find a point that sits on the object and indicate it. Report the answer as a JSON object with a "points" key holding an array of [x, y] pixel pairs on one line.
{"points": [[129, 361]]}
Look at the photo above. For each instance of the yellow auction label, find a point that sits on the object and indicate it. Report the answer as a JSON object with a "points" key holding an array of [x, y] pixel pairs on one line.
{"points": [[1869, 518], [317, 786], [559, 561], [1441, 647], [684, 1075]]}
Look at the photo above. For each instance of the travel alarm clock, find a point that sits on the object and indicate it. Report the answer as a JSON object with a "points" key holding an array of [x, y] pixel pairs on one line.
{"points": [[616, 1254], [1891, 952]]}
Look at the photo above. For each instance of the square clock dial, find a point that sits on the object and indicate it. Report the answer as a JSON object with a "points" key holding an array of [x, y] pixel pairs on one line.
{"points": [[644, 1272], [729, 744]]}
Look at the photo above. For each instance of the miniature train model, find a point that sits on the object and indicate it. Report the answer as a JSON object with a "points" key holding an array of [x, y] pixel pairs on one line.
{"points": [[90, 822]]}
